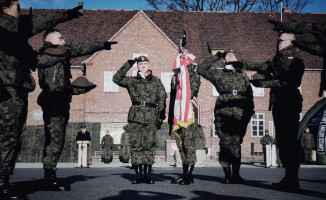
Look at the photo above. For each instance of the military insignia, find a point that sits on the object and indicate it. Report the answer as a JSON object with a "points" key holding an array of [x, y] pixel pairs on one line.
{"points": [[290, 58]]}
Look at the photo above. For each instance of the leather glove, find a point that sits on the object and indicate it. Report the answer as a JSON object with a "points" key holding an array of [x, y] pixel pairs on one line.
{"points": [[256, 83], [132, 62], [159, 124], [286, 27], [237, 65], [75, 12], [107, 45], [219, 54]]}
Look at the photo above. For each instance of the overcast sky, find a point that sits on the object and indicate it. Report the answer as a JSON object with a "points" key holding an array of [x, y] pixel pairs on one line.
{"points": [[317, 6]]}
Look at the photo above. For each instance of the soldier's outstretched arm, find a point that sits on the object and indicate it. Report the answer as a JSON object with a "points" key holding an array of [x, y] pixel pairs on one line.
{"points": [[89, 48], [260, 67], [34, 24], [314, 49], [120, 77], [204, 68], [46, 61], [195, 83]]}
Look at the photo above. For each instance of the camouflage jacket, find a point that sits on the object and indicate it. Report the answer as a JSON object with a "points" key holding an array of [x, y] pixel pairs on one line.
{"points": [[194, 85], [18, 63], [287, 69], [54, 70], [266, 139], [107, 142], [226, 80], [149, 90], [307, 141]]}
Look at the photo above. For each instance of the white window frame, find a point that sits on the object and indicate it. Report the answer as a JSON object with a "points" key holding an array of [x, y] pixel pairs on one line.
{"points": [[215, 92], [166, 78], [258, 91], [258, 120], [108, 84], [271, 128], [214, 133]]}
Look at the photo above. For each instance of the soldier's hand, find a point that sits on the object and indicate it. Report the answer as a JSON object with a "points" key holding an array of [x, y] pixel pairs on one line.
{"points": [[75, 12], [107, 45], [159, 124], [280, 26], [219, 54], [237, 65], [256, 83]]}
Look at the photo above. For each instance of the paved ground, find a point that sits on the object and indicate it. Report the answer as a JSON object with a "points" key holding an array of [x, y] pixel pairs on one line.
{"points": [[113, 181]]}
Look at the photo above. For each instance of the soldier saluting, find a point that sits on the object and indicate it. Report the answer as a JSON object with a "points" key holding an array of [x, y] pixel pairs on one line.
{"points": [[17, 58], [145, 116], [57, 90], [233, 110]]}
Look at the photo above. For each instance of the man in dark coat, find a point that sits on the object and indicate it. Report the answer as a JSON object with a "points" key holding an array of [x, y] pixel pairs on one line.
{"points": [[17, 58], [266, 139], [308, 144], [233, 110], [287, 69]]}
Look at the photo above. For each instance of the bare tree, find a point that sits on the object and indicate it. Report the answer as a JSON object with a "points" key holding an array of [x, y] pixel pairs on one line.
{"points": [[274, 5], [228, 5]]}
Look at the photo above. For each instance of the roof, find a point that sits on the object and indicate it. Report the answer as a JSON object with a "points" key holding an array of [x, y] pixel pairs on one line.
{"points": [[248, 34]]}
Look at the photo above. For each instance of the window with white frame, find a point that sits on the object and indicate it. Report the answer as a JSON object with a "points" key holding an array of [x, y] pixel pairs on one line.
{"points": [[109, 85], [258, 125], [166, 78], [215, 92], [214, 132], [271, 128], [257, 91]]}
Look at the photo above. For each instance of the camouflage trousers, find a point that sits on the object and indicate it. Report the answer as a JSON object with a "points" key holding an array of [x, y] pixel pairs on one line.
{"points": [[107, 153], [124, 153], [142, 143], [186, 143], [55, 132], [231, 132], [13, 115]]}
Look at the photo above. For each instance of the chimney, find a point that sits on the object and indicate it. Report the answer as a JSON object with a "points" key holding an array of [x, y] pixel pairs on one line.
{"points": [[286, 10]]}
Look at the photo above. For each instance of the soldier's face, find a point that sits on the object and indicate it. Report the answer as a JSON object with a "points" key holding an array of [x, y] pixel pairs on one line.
{"points": [[143, 66], [284, 41], [230, 57], [55, 38], [13, 10]]}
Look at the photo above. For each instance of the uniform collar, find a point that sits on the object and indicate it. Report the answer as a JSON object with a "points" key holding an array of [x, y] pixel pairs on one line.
{"points": [[288, 50]]}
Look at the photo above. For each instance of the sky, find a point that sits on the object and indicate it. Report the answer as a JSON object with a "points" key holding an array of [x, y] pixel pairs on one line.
{"points": [[317, 6]]}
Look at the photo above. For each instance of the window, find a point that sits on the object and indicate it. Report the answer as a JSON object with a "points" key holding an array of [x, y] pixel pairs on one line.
{"points": [[166, 80], [214, 132], [257, 92], [271, 128], [109, 85], [257, 125], [215, 92]]}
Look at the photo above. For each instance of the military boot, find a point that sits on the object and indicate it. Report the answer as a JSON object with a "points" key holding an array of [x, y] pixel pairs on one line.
{"points": [[227, 175], [139, 174], [6, 193], [179, 179], [51, 182], [290, 183], [236, 178], [188, 178], [147, 174]]}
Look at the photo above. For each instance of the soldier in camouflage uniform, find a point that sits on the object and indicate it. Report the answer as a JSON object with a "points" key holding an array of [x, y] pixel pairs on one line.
{"points": [[287, 69], [308, 144], [266, 139], [124, 154], [233, 110], [145, 116], [55, 98], [17, 58], [107, 144], [187, 137]]}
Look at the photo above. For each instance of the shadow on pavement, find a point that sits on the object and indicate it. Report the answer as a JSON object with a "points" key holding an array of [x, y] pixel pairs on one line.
{"points": [[132, 194], [32, 186], [208, 195]]}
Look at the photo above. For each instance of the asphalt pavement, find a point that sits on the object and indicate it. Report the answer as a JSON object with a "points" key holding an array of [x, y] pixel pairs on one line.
{"points": [[113, 181]]}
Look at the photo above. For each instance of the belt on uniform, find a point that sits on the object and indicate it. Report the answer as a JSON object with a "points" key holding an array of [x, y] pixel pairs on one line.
{"points": [[143, 103], [233, 92]]}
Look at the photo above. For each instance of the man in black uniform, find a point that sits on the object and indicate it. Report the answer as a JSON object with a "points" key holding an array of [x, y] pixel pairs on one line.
{"points": [[287, 69]]}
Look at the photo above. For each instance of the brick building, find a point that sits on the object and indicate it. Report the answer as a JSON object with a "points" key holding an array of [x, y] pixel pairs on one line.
{"points": [[156, 34]]}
